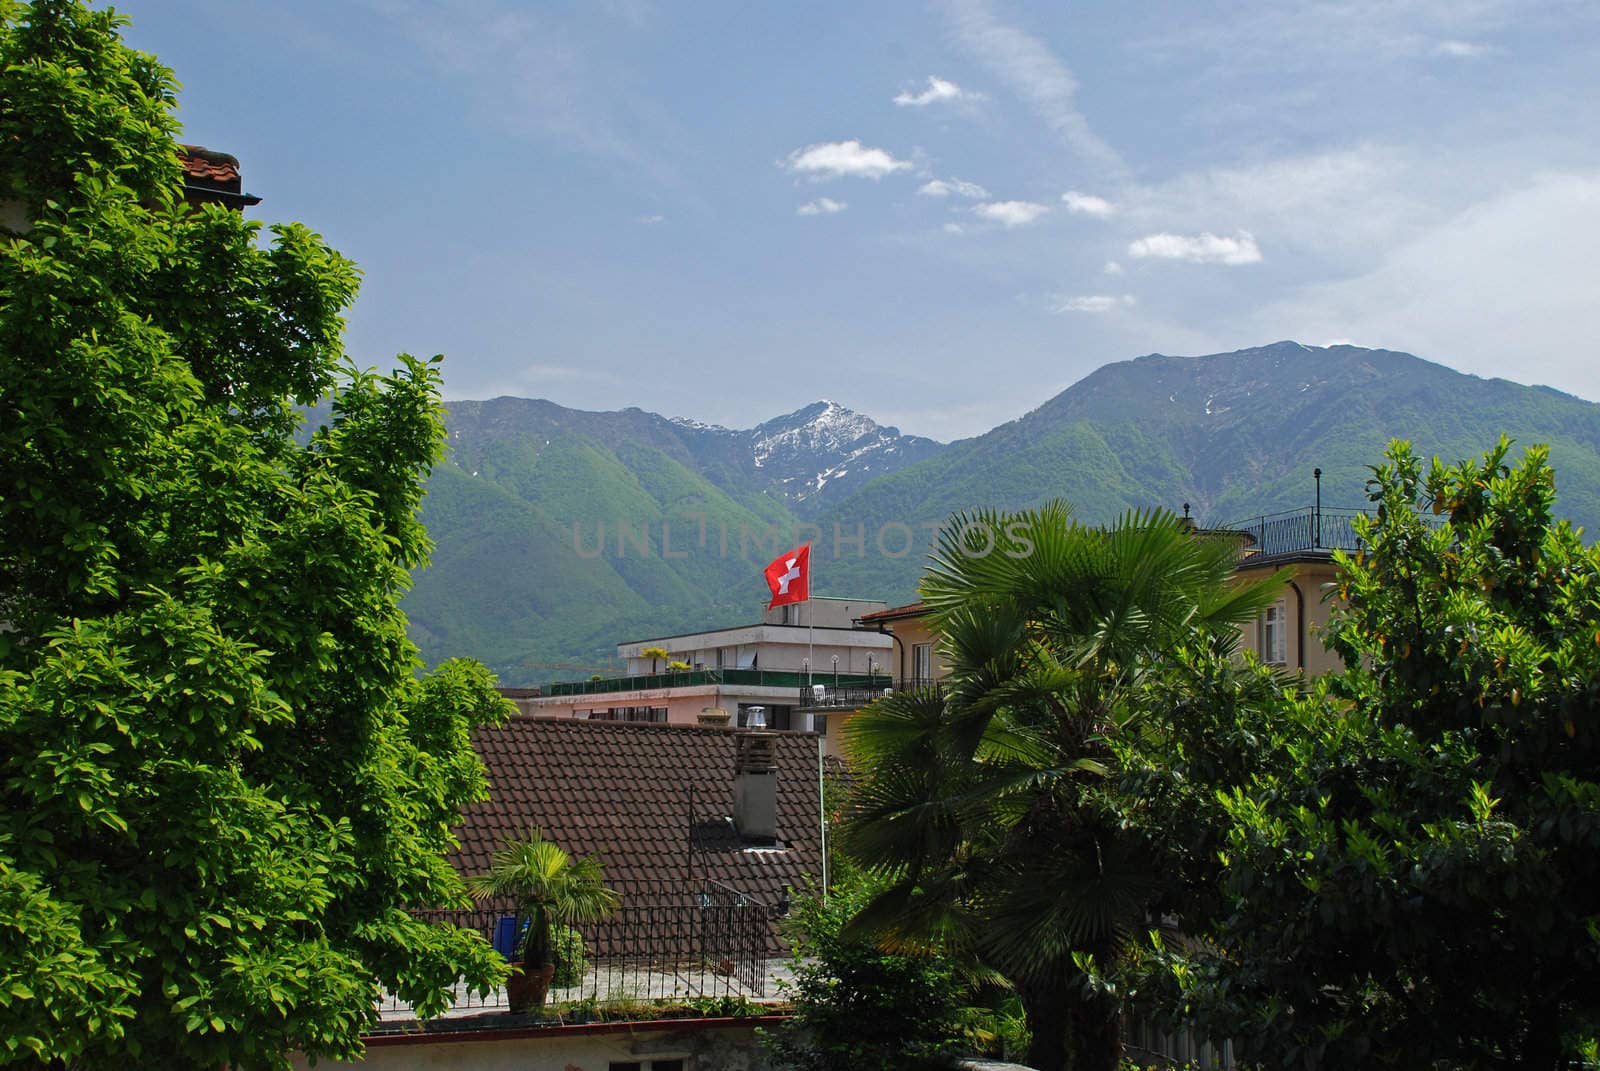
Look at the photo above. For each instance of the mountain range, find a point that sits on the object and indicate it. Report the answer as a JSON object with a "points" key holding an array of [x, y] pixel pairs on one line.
{"points": [[559, 532]]}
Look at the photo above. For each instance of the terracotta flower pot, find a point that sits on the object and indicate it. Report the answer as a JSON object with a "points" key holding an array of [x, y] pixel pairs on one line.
{"points": [[526, 990]]}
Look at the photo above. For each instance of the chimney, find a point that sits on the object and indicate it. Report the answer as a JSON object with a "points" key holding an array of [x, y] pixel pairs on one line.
{"points": [[755, 786]]}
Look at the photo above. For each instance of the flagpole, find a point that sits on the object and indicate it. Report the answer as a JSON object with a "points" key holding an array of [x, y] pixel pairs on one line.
{"points": [[811, 623]]}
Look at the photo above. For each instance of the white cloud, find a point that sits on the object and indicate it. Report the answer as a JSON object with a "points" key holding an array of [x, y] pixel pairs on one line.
{"points": [[1503, 288], [1087, 204], [1205, 248], [839, 159], [1093, 303], [1010, 213], [938, 91], [1460, 49], [945, 187], [954, 228], [649, 220], [1033, 72], [822, 206], [1112, 268]]}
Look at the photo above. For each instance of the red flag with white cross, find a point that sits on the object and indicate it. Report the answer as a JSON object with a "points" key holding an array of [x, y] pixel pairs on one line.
{"points": [[789, 577]]}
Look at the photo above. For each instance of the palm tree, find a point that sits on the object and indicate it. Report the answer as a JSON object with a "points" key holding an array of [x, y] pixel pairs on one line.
{"points": [[549, 888], [987, 800]]}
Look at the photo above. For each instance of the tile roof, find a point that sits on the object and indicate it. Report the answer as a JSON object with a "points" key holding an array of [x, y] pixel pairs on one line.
{"points": [[625, 791], [202, 163], [913, 609], [209, 175]]}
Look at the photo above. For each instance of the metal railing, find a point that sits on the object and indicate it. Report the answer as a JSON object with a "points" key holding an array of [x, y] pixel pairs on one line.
{"points": [[1299, 531], [667, 940], [683, 678], [1306, 531], [826, 695]]}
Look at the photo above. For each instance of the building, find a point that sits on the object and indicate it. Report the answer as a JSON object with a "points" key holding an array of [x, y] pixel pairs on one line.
{"points": [[917, 658], [211, 177], [706, 834], [740, 675], [657, 803], [1289, 633]]}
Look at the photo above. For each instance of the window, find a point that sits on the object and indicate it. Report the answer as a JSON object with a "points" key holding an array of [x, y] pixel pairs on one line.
{"points": [[655, 715], [1274, 635], [922, 662]]}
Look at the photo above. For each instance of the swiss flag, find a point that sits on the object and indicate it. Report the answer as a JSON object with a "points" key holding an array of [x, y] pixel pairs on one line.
{"points": [[789, 577]]}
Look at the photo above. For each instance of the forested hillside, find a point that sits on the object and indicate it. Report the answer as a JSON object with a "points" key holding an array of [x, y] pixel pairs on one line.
{"points": [[560, 532]]}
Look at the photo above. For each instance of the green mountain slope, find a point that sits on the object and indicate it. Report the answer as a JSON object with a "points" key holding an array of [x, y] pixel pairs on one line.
{"points": [[1234, 435], [552, 551], [550, 522]]}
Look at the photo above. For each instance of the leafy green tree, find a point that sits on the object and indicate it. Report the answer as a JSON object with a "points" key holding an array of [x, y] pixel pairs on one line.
{"points": [[222, 782], [1412, 874], [986, 801], [549, 889], [858, 1007]]}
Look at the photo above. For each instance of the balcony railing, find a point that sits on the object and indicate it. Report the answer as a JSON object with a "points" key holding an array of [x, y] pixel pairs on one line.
{"points": [[668, 940], [1299, 531], [778, 680], [1306, 531], [826, 695]]}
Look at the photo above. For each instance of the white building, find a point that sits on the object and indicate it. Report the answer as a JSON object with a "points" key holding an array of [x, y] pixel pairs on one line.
{"points": [[731, 671]]}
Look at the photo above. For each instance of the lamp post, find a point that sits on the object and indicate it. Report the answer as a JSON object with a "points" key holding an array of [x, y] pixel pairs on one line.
{"points": [[1316, 474]]}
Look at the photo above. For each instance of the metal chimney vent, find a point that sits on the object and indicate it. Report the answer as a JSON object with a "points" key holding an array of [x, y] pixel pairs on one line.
{"points": [[755, 787]]}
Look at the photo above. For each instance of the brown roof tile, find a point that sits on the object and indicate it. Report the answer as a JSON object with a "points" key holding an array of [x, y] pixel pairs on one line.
{"points": [[650, 800], [914, 609], [203, 163]]}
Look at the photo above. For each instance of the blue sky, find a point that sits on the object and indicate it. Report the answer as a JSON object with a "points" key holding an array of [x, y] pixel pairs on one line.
{"points": [[938, 214]]}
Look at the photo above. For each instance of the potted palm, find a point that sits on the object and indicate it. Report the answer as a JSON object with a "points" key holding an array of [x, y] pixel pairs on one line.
{"points": [[550, 888]]}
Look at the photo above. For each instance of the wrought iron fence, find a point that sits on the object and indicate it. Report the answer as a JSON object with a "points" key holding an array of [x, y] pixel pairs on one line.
{"points": [[1306, 531], [1300, 531], [668, 940]]}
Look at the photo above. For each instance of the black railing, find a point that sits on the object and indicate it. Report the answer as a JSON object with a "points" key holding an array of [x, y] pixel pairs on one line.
{"points": [[1299, 531], [668, 940], [825, 695]]}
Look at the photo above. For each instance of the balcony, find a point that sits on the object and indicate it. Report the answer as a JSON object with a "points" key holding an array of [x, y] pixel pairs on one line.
{"points": [[826, 695], [1310, 531], [776, 680], [1298, 532]]}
